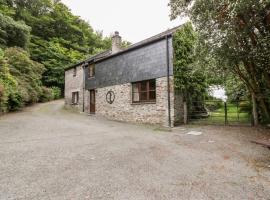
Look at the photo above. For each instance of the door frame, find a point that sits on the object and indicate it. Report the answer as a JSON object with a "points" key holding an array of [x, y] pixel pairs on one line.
{"points": [[92, 102]]}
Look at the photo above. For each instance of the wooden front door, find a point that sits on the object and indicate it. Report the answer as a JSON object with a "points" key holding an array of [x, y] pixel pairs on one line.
{"points": [[92, 101]]}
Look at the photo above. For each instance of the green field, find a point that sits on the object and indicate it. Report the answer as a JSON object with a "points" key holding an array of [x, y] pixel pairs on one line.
{"points": [[235, 115]]}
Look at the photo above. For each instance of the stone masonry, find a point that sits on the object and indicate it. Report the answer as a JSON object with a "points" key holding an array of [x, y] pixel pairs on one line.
{"points": [[123, 109], [74, 84]]}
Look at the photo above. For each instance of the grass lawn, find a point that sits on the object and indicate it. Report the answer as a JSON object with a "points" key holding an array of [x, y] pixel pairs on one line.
{"points": [[235, 115]]}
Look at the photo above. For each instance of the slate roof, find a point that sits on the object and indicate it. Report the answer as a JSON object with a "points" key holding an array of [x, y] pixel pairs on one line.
{"points": [[108, 54]]}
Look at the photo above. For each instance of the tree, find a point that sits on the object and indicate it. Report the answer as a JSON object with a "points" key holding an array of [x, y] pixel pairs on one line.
{"points": [[236, 34], [11, 30], [189, 78]]}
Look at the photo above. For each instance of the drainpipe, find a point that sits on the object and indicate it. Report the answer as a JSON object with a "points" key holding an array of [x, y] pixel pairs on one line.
{"points": [[168, 82], [84, 86]]}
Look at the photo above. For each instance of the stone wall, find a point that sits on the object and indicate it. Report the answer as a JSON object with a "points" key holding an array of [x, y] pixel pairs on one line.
{"points": [[123, 109], [74, 84]]}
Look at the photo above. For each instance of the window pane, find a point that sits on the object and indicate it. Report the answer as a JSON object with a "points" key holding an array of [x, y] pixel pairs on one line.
{"points": [[135, 87], [144, 86], [152, 85], [136, 97], [152, 95], [143, 96]]}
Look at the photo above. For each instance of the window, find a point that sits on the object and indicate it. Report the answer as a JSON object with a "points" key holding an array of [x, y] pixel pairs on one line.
{"points": [[75, 97], [91, 70], [75, 71], [144, 91]]}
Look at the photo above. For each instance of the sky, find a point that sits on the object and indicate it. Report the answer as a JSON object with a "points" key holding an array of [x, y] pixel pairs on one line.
{"points": [[134, 19], [218, 92]]}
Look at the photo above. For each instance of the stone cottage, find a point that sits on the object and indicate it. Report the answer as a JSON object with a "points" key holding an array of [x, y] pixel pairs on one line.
{"points": [[133, 84]]}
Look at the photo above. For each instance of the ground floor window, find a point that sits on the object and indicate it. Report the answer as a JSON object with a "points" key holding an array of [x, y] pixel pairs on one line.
{"points": [[75, 97], [144, 91]]}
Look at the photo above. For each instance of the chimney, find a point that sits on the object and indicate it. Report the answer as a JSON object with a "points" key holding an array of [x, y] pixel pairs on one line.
{"points": [[116, 42]]}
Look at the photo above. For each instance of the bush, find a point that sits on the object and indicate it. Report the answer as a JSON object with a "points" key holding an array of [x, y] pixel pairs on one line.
{"points": [[46, 95], [15, 101], [245, 106], [214, 105], [56, 92]]}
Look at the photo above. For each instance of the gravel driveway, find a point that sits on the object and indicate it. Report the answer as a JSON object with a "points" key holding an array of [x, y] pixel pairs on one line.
{"points": [[47, 152]]}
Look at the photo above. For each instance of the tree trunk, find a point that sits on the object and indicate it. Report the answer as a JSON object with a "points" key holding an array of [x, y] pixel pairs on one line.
{"points": [[254, 110], [267, 79], [257, 90]]}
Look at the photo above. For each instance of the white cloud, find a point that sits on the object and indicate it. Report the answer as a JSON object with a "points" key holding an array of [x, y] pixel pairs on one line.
{"points": [[135, 20]]}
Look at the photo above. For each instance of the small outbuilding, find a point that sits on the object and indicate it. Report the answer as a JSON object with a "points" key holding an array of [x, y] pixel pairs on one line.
{"points": [[135, 84]]}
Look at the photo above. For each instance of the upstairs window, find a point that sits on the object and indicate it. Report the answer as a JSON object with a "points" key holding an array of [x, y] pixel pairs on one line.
{"points": [[75, 97], [75, 71], [91, 70], [144, 91]]}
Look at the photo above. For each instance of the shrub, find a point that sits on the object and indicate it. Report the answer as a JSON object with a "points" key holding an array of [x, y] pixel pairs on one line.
{"points": [[46, 95], [15, 101], [214, 105], [56, 92], [245, 106]]}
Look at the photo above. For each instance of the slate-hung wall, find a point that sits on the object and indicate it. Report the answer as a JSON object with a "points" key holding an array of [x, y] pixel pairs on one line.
{"points": [[148, 62]]}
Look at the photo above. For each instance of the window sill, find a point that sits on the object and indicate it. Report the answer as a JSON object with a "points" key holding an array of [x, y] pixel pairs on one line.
{"points": [[91, 77], [143, 103]]}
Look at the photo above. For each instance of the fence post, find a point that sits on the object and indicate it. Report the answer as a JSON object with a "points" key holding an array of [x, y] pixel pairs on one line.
{"points": [[185, 113], [226, 113]]}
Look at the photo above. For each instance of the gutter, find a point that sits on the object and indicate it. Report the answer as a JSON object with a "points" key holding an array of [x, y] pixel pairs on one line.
{"points": [[168, 81]]}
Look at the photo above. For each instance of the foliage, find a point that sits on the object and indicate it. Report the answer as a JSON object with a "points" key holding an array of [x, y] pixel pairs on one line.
{"points": [[8, 86], [15, 101], [188, 77], [20, 81], [236, 36], [214, 104], [56, 92], [58, 38], [47, 95], [235, 89], [26, 72], [11, 30], [49, 38]]}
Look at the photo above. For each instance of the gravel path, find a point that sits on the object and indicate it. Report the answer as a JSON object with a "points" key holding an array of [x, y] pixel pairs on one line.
{"points": [[47, 152]]}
